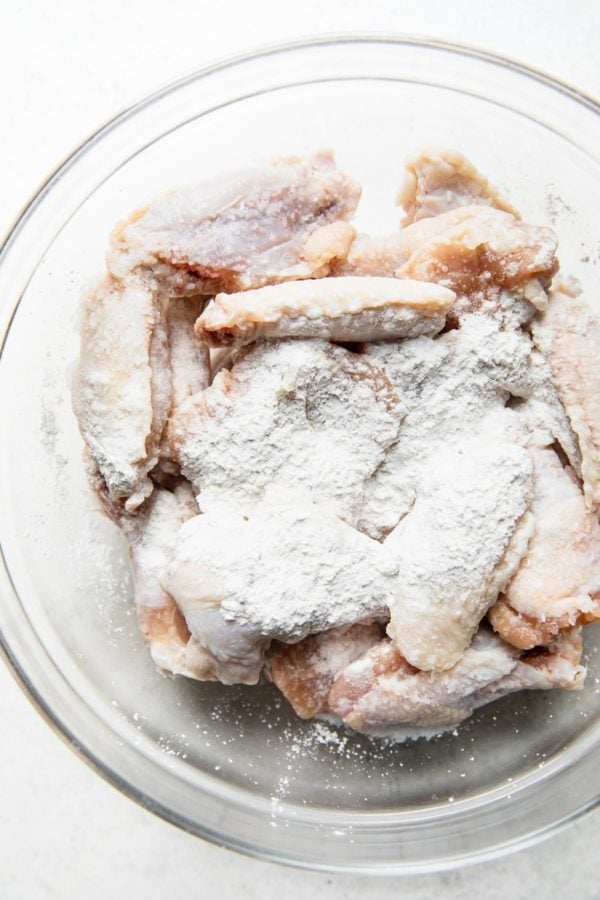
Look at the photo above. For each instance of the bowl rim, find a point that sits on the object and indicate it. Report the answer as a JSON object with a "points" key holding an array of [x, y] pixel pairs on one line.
{"points": [[50, 715]]}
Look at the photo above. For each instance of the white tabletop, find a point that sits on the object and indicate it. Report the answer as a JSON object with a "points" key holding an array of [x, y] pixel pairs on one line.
{"points": [[66, 67]]}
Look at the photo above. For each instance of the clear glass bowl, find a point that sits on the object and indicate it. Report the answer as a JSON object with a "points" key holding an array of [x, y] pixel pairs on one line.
{"points": [[234, 765]]}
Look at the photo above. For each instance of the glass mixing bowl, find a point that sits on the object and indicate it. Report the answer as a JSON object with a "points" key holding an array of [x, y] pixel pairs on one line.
{"points": [[235, 765]]}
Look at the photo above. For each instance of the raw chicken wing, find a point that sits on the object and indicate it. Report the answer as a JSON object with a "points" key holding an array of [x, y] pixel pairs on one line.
{"points": [[152, 534], [258, 226], [122, 388], [545, 598], [381, 691], [440, 180], [338, 309], [569, 337], [458, 548]]}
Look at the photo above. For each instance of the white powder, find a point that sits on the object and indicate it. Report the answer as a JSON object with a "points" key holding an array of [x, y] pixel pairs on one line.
{"points": [[448, 386], [286, 568], [291, 413]]}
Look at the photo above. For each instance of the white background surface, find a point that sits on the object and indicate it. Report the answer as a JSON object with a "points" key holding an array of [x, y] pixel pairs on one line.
{"points": [[65, 67]]}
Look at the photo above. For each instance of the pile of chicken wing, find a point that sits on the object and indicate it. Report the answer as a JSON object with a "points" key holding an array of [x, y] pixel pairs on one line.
{"points": [[364, 468]]}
